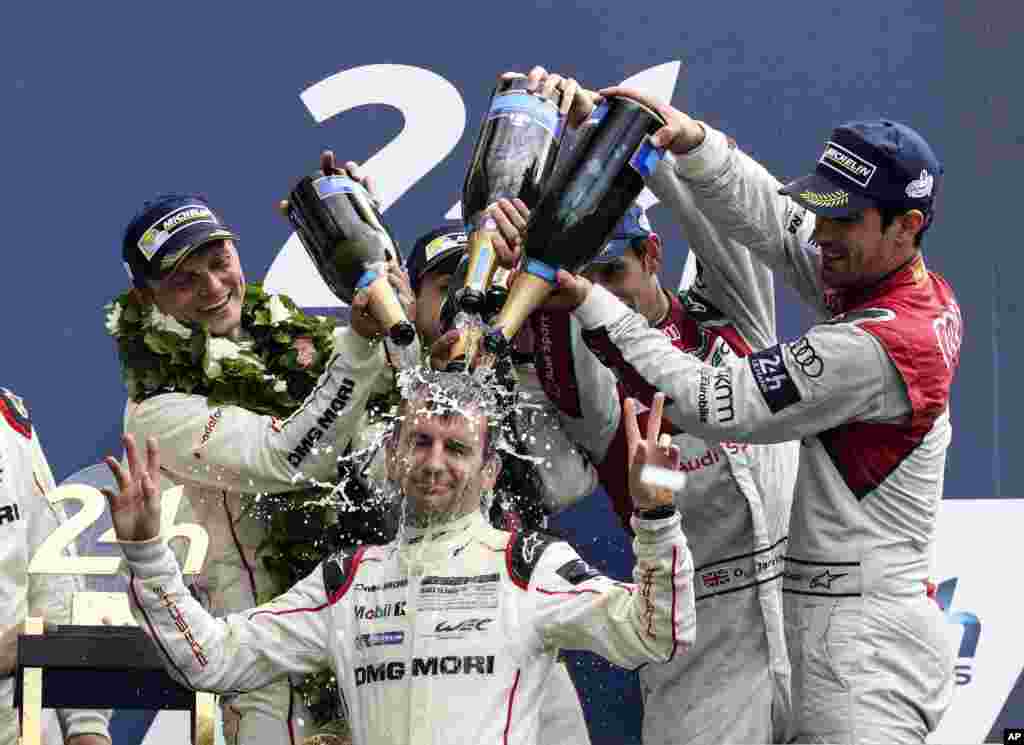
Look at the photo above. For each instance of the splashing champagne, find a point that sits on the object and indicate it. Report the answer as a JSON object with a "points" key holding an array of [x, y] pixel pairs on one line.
{"points": [[350, 246], [515, 154], [585, 200]]}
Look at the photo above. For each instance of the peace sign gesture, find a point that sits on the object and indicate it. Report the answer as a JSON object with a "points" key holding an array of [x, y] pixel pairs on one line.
{"points": [[654, 450], [135, 508]]}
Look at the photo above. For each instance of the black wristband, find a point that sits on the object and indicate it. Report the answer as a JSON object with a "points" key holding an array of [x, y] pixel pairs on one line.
{"points": [[656, 513]]}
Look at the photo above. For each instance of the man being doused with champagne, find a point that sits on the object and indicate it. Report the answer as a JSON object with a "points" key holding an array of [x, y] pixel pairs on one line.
{"points": [[449, 633]]}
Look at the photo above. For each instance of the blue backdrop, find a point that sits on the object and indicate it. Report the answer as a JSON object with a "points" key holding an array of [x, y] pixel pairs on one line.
{"points": [[105, 107]]}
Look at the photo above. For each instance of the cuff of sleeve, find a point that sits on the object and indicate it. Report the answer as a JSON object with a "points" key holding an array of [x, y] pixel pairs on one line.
{"points": [[707, 158], [85, 722], [654, 531], [601, 308], [145, 557], [358, 349]]}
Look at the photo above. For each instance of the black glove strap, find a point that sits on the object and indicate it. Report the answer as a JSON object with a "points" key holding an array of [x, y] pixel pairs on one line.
{"points": [[656, 513]]}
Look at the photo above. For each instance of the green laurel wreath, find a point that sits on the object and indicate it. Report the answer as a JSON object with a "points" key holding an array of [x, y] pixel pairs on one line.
{"points": [[270, 370]]}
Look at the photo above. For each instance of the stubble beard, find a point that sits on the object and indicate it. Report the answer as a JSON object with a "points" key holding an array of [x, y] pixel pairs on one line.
{"points": [[423, 514]]}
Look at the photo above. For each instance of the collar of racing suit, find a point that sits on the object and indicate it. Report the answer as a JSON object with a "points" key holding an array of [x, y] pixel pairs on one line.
{"points": [[911, 273], [425, 545]]}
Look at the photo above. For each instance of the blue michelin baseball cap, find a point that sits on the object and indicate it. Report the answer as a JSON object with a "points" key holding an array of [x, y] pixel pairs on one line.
{"points": [[868, 164], [633, 226], [165, 231]]}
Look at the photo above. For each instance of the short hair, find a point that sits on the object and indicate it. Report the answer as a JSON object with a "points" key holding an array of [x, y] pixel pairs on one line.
{"points": [[890, 211], [450, 394]]}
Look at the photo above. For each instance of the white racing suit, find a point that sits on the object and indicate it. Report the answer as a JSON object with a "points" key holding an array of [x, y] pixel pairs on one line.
{"points": [[734, 684], [212, 450], [27, 518], [566, 476], [867, 390], [220, 452], [446, 636]]}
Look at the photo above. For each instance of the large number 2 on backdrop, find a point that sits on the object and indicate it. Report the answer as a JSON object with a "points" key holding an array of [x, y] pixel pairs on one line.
{"points": [[435, 120]]}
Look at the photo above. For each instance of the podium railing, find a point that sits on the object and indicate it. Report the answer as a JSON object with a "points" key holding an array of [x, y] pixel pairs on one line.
{"points": [[99, 667]]}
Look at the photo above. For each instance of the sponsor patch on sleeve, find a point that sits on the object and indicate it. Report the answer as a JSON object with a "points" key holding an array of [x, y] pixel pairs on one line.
{"points": [[773, 379], [13, 410], [576, 571]]}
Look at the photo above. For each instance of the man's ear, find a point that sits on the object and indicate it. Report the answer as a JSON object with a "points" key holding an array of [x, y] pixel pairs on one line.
{"points": [[652, 253], [490, 472], [144, 295], [910, 223]]}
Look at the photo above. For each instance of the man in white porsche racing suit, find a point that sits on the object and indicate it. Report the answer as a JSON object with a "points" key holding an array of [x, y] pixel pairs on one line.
{"points": [[27, 518], [446, 635], [220, 452], [868, 391]]}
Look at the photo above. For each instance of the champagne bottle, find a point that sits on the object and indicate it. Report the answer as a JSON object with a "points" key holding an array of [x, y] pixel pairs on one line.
{"points": [[497, 293], [515, 153], [586, 198], [343, 233]]}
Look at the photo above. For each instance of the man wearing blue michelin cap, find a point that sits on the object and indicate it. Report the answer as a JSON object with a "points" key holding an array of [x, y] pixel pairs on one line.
{"points": [[866, 389]]}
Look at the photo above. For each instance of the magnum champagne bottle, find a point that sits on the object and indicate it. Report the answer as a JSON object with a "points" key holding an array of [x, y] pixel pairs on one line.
{"points": [[343, 233], [515, 154], [585, 200]]}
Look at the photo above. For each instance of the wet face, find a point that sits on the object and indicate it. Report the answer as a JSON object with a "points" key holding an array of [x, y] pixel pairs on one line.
{"points": [[440, 463], [432, 292], [207, 287], [856, 252]]}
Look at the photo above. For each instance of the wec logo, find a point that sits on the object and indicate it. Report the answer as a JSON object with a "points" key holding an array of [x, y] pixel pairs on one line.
{"points": [[470, 624]]}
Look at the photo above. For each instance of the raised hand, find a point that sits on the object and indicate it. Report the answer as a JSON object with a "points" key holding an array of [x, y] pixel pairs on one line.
{"points": [[135, 508], [575, 102], [330, 167], [681, 134], [510, 218], [363, 323], [653, 450]]}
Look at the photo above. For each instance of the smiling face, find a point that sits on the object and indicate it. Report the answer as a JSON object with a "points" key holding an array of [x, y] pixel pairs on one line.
{"points": [[857, 252], [442, 460], [207, 287]]}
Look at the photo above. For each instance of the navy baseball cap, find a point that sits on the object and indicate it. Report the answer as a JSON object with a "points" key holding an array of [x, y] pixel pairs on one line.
{"points": [[443, 245], [165, 231], [633, 226], [867, 164]]}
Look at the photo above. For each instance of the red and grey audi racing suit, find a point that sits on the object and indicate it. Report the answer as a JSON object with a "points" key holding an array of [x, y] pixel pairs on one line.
{"points": [[735, 503], [867, 390], [445, 636]]}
